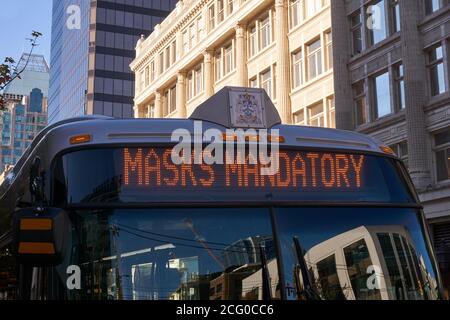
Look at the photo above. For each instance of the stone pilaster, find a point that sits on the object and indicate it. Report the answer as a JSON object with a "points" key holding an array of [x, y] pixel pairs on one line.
{"points": [[209, 73], [415, 83], [241, 56], [158, 105], [345, 115], [283, 83], [181, 95]]}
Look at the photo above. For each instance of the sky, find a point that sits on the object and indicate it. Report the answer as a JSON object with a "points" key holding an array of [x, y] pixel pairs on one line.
{"points": [[17, 20]]}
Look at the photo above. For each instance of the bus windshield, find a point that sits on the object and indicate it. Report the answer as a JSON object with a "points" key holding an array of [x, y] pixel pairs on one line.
{"points": [[144, 175], [367, 243], [220, 253]]}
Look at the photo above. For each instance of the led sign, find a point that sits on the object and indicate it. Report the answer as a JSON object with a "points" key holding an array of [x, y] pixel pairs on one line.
{"points": [[153, 168]]}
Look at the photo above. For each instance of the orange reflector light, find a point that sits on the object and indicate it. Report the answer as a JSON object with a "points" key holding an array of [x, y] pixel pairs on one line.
{"points": [[279, 139], [229, 137], [35, 224], [36, 248], [252, 138], [82, 138], [387, 150]]}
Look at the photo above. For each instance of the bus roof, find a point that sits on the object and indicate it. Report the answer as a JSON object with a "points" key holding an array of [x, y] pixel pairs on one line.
{"points": [[230, 108]]}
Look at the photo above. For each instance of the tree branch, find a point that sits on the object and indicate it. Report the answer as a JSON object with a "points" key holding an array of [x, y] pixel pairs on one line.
{"points": [[5, 69]]}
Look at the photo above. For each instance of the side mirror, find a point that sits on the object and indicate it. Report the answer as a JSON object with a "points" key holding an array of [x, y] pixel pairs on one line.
{"points": [[40, 239]]}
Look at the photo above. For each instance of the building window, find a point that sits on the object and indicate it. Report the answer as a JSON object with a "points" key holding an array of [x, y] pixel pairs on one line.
{"points": [[173, 99], [356, 31], [200, 28], [185, 42], [170, 101], [359, 98], [266, 81], [314, 59], [198, 80], [382, 95], [376, 22], [299, 117], [442, 145], [142, 80], [436, 70], [395, 14], [212, 17], [399, 79], [274, 81], [357, 261], [218, 65], [228, 67], [161, 63], [297, 69], [316, 116], [151, 111], [167, 58], [253, 82], [220, 11], [147, 76], [312, 7], [265, 32], [195, 82], [252, 41], [190, 86], [295, 10], [433, 5], [173, 51], [329, 50], [401, 150], [192, 36], [331, 110], [230, 6], [152, 71]]}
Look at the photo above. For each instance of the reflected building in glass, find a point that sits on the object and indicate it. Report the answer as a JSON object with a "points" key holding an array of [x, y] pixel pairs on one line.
{"points": [[370, 263], [93, 43]]}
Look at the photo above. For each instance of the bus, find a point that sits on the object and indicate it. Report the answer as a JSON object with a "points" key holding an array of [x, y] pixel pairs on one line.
{"points": [[185, 209]]}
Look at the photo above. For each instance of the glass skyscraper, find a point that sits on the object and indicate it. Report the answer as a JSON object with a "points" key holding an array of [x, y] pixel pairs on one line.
{"points": [[25, 114], [90, 71], [19, 125], [35, 75]]}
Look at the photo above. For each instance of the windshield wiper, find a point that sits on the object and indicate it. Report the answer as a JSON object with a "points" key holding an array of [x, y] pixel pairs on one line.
{"points": [[267, 293], [308, 288]]}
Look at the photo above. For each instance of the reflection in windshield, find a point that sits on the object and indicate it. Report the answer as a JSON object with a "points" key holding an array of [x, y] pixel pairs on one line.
{"points": [[176, 254], [229, 254], [356, 257]]}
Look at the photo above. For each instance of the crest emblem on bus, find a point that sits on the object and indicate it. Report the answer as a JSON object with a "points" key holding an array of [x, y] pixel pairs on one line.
{"points": [[247, 109]]}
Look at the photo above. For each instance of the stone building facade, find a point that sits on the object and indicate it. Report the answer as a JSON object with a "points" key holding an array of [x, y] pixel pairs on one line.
{"points": [[283, 46], [392, 81]]}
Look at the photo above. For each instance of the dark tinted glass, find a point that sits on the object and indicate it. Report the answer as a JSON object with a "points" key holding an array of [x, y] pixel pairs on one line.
{"points": [[219, 253], [176, 254]]}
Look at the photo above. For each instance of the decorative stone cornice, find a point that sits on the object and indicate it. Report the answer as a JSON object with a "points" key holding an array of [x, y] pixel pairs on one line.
{"points": [[208, 56], [240, 30], [280, 3]]}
